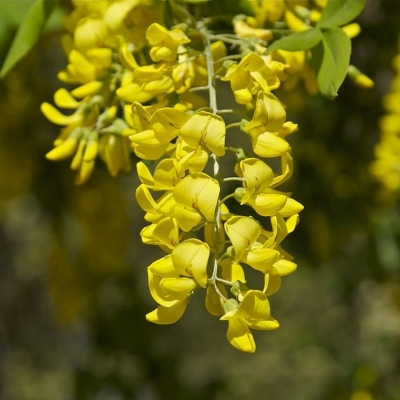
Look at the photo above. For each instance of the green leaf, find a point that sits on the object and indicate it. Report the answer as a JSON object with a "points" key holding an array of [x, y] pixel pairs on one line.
{"points": [[298, 41], [28, 32], [14, 11], [332, 68], [340, 12]]}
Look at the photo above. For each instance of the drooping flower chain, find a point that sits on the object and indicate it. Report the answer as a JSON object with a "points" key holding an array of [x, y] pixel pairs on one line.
{"points": [[208, 246], [138, 84]]}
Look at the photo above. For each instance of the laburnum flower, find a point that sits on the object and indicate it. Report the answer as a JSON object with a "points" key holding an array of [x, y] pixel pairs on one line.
{"points": [[263, 129], [166, 175], [204, 129], [154, 133], [86, 71], [297, 68], [252, 312], [173, 278], [251, 75], [242, 29], [197, 197], [165, 43], [243, 233], [267, 10]]}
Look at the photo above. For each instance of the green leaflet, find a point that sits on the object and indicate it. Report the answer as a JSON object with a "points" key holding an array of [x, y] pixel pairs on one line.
{"points": [[298, 41], [330, 47], [28, 33], [340, 12], [14, 11], [331, 60]]}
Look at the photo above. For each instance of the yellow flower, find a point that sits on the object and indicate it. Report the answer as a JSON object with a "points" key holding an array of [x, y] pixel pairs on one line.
{"points": [[199, 192], [206, 130], [249, 76], [165, 43], [167, 315], [268, 119], [257, 174], [242, 232], [190, 259], [267, 10], [253, 311], [162, 127], [166, 175], [242, 29]]}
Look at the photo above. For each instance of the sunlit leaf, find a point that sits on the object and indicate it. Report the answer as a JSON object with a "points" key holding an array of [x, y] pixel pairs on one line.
{"points": [[335, 60], [28, 33], [340, 12], [298, 41]]}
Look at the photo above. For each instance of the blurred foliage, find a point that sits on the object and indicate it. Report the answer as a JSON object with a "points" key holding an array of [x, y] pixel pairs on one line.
{"points": [[73, 271]]}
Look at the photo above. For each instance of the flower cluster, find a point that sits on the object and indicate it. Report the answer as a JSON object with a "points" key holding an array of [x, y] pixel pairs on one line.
{"points": [[150, 91], [208, 246], [386, 167]]}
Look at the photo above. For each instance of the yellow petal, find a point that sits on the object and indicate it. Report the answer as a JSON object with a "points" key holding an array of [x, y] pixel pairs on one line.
{"points": [[213, 300], [64, 99], [161, 297], [285, 267], [64, 150], [144, 174], [255, 305], [199, 191], [166, 123], [352, 30], [187, 217], [268, 145], [190, 258], [205, 129], [178, 287], [145, 199], [258, 176], [232, 271], [84, 172], [272, 282], [260, 259], [127, 58], [91, 150], [290, 208], [240, 337], [167, 315], [265, 325], [267, 204], [167, 232], [134, 92], [101, 57], [164, 267], [88, 89], [269, 115], [242, 232], [53, 115]]}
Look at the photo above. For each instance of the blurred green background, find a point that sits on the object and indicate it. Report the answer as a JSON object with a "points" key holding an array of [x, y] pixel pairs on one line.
{"points": [[73, 284]]}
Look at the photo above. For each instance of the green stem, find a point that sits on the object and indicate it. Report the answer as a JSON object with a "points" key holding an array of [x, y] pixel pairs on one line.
{"points": [[224, 281], [233, 178], [232, 111], [234, 125], [227, 197]]}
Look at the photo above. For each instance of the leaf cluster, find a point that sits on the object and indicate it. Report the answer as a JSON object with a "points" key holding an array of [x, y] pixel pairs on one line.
{"points": [[329, 45]]}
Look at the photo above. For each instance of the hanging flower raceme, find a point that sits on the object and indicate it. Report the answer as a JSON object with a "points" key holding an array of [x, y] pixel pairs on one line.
{"points": [[149, 91], [386, 167], [207, 246]]}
